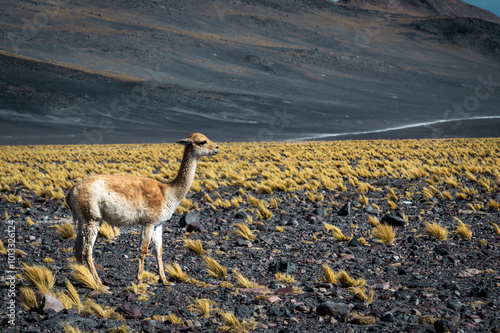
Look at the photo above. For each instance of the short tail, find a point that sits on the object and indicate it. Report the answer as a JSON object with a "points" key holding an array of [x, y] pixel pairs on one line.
{"points": [[69, 199]]}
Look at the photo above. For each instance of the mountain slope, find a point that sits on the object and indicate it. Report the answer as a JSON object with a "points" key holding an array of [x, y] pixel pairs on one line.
{"points": [[128, 71]]}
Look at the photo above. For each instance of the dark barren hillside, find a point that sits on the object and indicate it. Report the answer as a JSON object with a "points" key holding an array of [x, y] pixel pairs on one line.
{"points": [[151, 71]]}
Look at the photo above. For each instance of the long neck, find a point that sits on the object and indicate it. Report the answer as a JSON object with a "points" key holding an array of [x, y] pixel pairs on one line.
{"points": [[182, 183]]}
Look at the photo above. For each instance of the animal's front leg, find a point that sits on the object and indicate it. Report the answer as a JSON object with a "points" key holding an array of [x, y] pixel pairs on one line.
{"points": [[143, 248], [157, 251]]}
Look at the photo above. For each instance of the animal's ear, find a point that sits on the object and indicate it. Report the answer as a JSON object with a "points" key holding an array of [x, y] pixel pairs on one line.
{"points": [[184, 142]]}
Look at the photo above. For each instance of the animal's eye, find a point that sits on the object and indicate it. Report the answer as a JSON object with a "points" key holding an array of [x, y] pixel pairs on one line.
{"points": [[202, 143]]}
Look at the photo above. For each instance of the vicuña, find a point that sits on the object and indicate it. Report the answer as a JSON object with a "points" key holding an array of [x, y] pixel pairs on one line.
{"points": [[126, 201]]}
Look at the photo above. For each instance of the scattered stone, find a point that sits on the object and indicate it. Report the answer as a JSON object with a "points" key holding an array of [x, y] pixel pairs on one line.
{"points": [[242, 311], [195, 227], [129, 311], [338, 310], [282, 266], [387, 317], [189, 218], [393, 220], [442, 326], [51, 303], [240, 215], [319, 211], [353, 242], [345, 210], [274, 312]]}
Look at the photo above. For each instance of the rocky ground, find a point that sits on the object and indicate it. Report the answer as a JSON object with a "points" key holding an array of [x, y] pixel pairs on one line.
{"points": [[420, 284]]}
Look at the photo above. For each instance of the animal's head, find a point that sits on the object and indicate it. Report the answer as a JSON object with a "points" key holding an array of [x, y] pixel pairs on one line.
{"points": [[201, 145]]}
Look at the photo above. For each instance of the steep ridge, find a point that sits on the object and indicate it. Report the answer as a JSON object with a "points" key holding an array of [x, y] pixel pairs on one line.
{"points": [[450, 8]]}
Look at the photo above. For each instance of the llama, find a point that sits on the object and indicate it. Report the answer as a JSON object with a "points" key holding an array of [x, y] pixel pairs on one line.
{"points": [[126, 201]]}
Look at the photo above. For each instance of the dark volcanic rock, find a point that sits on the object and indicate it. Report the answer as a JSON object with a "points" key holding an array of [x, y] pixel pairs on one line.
{"points": [[188, 219], [282, 266], [129, 311], [338, 310], [393, 220], [345, 210]]}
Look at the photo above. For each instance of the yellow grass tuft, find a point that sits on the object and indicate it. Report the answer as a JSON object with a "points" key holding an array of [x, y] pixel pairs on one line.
{"points": [[463, 229], [91, 307], [73, 296], [3, 250], [359, 292], [345, 280], [243, 282], [244, 232], [496, 228], [150, 278], [30, 301], [214, 268], [137, 289], [29, 221], [329, 275], [176, 272], [67, 328], [434, 229], [492, 204], [66, 230], [337, 233], [39, 277], [48, 260], [82, 274], [264, 213], [363, 200], [384, 233], [392, 205], [285, 278], [194, 246], [373, 221], [427, 319], [201, 306], [363, 320], [234, 325], [109, 232]]}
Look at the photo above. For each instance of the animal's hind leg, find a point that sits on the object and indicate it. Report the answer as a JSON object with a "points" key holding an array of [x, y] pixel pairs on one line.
{"points": [[143, 248], [157, 251], [89, 235], [78, 247]]}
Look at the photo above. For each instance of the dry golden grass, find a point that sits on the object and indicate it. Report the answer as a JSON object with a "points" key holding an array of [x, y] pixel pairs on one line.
{"points": [[109, 232], [363, 320], [67, 328], [427, 319], [496, 228], [492, 204], [434, 229], [232, 324], [215, 269], [40, 277], [138, 289], [329, 275], [28, 296], [175, 271], [244, 232], [201, 306], [463, 230], [384, 233], [194, 246], [243, 282], [285, 278], [337, 233], [91, 307], [82, 274], [345, 280], [359, 292], [3, 250], [66, 230], [150, 278]]}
